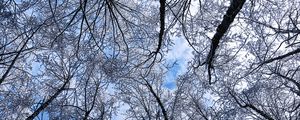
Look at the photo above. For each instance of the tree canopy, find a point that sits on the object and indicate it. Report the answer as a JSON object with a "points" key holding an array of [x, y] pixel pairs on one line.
{"points": [[110, 59]]}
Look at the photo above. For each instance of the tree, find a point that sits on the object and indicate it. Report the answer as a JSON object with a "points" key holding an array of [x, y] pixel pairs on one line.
{"points": [[109, 59]]}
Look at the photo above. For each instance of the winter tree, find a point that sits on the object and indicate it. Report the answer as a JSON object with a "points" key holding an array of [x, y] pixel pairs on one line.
{"points": [[149, 59]]}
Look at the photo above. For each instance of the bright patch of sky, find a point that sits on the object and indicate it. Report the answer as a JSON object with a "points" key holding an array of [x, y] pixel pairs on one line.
{"points": [[241, 85], [209, 99], [37, 68], [122, 112], [181, 53], [43, 116], [194, 8]]}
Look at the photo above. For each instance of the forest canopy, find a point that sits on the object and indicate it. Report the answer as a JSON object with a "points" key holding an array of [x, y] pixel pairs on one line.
{"points": [[150, 59]]}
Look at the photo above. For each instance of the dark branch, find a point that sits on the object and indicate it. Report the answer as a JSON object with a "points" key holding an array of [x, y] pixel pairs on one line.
{"points": [[247, 105], [162, 24], [233, 10], [18, 53], [281, 57], [158, 100], [47, 103]]}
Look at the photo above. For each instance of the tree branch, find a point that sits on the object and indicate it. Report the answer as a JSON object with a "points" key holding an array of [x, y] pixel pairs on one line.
{"points": [[162, 24], [157, 99], [233, 10], [281, 57], [47, 103], [251, 106]]}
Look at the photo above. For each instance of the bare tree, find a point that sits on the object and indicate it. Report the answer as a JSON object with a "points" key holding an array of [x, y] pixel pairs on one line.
{"points": [[109, 59]]}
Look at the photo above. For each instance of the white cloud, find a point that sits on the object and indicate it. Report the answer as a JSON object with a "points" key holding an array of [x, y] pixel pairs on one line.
{"points": [[181, 51]]}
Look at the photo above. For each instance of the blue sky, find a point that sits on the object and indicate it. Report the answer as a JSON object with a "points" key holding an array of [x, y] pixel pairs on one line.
{"points": [[180, 53]]}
